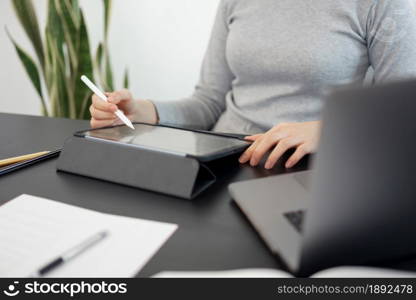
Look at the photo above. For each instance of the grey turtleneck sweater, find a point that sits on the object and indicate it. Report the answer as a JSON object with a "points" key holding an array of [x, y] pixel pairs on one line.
{"points": [[268, 60]]}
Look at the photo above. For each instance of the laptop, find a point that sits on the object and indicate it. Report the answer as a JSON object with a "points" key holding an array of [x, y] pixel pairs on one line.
{"points": [[358, 204]]}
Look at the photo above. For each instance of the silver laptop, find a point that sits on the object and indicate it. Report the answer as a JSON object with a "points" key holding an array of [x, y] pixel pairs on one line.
{"points": [[358, 205]]}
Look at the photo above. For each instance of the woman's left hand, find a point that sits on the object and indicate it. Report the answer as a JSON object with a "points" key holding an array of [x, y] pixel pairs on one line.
{"points": [[302, 136]]}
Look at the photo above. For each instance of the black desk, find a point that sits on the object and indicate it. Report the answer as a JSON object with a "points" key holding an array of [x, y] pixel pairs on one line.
{"points": [[212, 234]]}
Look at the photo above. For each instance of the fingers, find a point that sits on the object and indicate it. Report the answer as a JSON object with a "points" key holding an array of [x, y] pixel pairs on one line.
{"points": [[302, 136], [253, 138], [101, 114], [101, 123], [248, 153], [99, 104], [279, 150], [261, 145], [300, 152], [117, 97], [266, 143]]}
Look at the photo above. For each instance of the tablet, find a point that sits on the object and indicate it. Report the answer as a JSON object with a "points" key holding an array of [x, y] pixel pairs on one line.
{"points": [[204, 146]]}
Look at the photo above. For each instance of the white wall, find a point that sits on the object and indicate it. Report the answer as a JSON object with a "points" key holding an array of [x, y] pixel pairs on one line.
{"points": [[161, 41]]}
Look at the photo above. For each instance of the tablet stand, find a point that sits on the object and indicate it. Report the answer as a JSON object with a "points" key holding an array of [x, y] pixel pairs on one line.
{"points": [[130, 165]]}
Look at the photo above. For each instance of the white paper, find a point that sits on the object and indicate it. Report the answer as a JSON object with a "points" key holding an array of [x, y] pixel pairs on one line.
{"points": [[34, 231], [243, 273], [339, 272], [363, 272]]}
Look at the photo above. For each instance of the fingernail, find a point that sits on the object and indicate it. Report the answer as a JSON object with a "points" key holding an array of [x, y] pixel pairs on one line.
{"points": [[253, 163], [243, 159], [270, 165], [289, 164]]}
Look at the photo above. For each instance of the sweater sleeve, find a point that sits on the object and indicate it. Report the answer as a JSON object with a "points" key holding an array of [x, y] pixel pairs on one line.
{"points": [[205, 106], [391, 40]]}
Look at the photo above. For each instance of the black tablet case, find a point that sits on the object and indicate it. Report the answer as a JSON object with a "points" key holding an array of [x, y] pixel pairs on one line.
{"points": [[166, 173]]}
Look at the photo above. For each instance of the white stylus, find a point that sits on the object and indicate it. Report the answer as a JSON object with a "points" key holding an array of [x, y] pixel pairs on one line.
{"points": [[103, 97]]}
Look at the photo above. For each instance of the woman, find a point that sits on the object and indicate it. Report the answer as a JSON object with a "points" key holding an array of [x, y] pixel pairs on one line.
{"points": [[268, 62]]}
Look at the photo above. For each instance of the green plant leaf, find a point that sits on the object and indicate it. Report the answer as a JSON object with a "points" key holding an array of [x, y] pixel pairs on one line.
{"points": [[98, 64], [49, 72], [54, 27], [107, 16], [108, 73], [106, 70], [99, 56], [70, 25], [76, 10], [31, 70], [86, 102], [103, 68], [60, 92], [54, 40], [126, 81], [65, 56], [27, 16], [85, 67]]}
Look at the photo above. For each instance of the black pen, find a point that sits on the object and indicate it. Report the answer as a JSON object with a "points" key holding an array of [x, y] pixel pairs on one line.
{"points": [[30, 162], [70, 254]]}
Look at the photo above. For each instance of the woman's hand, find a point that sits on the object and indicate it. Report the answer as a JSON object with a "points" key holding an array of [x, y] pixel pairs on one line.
{"points": [[302, 136], [103, 113]]}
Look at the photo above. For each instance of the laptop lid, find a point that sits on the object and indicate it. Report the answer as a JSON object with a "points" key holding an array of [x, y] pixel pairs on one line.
{"points": [[363, 202]]}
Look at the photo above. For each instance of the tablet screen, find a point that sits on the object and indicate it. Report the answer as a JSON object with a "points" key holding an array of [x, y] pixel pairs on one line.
{"points": [[170, 140]]}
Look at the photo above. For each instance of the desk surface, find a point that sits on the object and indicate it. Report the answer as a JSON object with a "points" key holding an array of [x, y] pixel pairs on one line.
{"points": [[212, 234]]}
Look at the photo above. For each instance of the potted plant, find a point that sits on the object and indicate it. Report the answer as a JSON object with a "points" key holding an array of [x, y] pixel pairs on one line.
{"points": [[63, 55]]}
